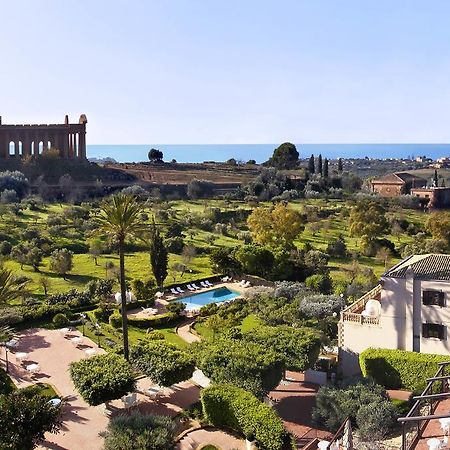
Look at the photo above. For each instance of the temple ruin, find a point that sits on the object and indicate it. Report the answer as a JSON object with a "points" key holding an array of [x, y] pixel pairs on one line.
{"points": [[19, 141]]}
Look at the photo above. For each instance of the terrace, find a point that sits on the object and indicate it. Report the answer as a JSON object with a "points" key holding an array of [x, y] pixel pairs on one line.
{"points": [[355, 312]]}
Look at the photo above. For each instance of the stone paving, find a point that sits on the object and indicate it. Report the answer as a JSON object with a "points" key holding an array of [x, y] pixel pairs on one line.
{"points": [[220, 439]]}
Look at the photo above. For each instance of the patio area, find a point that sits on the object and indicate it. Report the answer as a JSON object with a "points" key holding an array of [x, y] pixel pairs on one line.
{"points": [[53, 351]]}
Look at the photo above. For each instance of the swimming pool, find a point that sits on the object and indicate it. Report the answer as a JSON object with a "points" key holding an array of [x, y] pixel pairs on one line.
{"points": [[218, 295]]}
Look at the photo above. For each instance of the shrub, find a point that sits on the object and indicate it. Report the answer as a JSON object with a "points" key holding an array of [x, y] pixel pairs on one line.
{"points": [[319, 282], [396, 369], [115, 320], [375, 420], [229, 406], [335, 404], [163, 363], [139, 432], [60, 320], [102, 378], [176, 307], [103, 312], [10, 316], [318, 306], [151, 322]]}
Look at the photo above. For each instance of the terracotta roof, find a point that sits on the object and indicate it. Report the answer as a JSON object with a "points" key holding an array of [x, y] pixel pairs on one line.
{"points": [[424, 267], [398, 178]]}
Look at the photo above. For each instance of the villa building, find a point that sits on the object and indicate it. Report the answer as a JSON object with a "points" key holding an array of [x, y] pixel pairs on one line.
{"points": [[408, 310], [396, 184], [433, 197]]}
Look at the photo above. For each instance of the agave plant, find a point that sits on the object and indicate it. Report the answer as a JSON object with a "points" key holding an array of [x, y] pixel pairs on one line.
{"points": [[10, 287]]}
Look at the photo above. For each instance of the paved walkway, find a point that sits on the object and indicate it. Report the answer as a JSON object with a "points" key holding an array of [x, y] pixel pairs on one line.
{"points": [[54, 352], [294, 401], [83, 423], [184, 332], [220, 439]]}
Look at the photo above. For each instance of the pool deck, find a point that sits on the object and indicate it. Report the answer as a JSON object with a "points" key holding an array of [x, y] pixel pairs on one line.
{"points": [[161, 303]]}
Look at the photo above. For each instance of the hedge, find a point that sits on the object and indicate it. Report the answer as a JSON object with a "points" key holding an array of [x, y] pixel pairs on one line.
{"points": [[396, 369], [157, 321], [225, 405]]}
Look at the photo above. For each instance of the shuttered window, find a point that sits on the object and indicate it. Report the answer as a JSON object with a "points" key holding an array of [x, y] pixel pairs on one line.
{"points": [[433, 330], [433, 298]]}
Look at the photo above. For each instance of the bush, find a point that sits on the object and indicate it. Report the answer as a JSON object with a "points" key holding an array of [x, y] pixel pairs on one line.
{"points": [[375, 420], [60, 320], [115, 320], [229, 406], [396, 369], [102, 378], [139, 432], [163, 363], [336, 404], [319, 282], [176, 307], [166, 319], [43, 312], [10, 316]]}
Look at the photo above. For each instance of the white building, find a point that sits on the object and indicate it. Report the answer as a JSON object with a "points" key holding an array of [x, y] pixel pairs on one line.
{"points": [[408, 310]]}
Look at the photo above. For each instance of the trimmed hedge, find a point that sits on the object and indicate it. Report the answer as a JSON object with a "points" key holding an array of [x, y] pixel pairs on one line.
{"points": [[225, 405], [157, 321], [396, 369]]}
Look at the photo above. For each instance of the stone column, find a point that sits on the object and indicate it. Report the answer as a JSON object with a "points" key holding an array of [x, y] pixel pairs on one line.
{"points": [[16, 148], [65, 145], [82, 145]]}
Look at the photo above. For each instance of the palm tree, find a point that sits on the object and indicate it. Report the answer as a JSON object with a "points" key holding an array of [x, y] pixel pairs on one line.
{"points": [[119, 218], [10, 288], [6, 333]]}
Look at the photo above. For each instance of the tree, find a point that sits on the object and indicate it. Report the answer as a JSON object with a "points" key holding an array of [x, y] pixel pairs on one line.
{"points": [[325, 168], [384, 255], [255, 260], [66, 184], [340, 167], [34, 258], [164, 363], [102, 378], [19, 254], [319, 165], [438, 225], [284, 157], [223, 260], [159, 256], [10, 287], [25, 417], [155, 155], [61, 261], [95, 249], [367, 219], [277, 227], [139, 431], [188, 254], [45, 283], [435, 178], [319, 306], [200, 189], [120, 219], [311, 165]]}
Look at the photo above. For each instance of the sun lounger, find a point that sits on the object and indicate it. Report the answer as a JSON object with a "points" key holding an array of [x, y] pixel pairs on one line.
{"points": [[179, 290], [190, 287], [202, 283], [208, 283], [242, 283], [174, 291], [195, 286], [225, 279], [247, 284]]}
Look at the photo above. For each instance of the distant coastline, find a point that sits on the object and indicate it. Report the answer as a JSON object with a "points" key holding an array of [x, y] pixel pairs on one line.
{"points": [[261, 152]]}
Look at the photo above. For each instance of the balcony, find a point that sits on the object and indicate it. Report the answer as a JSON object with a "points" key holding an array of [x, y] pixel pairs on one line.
{"points": [[354, 313]]}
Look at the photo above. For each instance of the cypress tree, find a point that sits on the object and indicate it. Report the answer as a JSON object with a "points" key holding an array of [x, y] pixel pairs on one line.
{"points": [[319, 165], [159, 256], [340, 165], [311, 166], [325, 168], [435, 179]]}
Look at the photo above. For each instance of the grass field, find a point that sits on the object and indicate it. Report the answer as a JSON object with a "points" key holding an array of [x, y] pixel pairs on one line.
{"points": [[138, 265]]}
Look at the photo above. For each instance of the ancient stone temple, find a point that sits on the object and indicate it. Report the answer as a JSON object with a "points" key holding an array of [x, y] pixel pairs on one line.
{"points": [[19, 141]]}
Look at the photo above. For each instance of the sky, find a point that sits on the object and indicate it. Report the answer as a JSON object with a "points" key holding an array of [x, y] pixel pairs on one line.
{"points": [[228, 72]]}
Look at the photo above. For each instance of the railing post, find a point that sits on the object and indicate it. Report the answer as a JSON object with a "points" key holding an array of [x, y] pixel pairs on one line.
{"points": [[403, 437]]}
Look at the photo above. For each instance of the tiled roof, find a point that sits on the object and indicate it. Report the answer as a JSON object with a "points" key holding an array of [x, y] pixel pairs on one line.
{"points": [[398, 178], [424, 267]]}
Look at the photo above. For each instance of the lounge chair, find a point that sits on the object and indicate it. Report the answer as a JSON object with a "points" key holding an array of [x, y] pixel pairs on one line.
{"points": [[242, 283], [208, 283], [195, 286], [247, 284], [174, 291], [202, 283], [190, 287], [179, 290], [225, 279]]}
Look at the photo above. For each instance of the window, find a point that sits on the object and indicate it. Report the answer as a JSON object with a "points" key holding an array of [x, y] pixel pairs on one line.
{"points": [[433, 298], [433, 330]]}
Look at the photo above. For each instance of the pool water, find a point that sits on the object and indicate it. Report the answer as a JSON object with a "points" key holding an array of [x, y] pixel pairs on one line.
{"points": [[218, 295]]}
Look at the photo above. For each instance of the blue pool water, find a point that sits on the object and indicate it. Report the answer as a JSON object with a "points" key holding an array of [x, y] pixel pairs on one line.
{"points": [[196, 301]]}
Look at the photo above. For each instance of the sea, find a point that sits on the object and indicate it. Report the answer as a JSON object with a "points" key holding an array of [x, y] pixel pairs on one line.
{"points": [[197, 153]]}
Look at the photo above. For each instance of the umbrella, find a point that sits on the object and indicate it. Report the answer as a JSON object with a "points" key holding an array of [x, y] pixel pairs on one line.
{"points": [[347, 438], [159, 294]]}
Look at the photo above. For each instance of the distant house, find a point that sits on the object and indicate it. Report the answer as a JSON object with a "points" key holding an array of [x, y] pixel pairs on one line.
{"points": [[434, 197], [396, 184], [408, 310]]}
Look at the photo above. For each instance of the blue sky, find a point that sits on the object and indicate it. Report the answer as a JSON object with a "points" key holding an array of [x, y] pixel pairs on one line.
{"points": [[234, 71]]}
